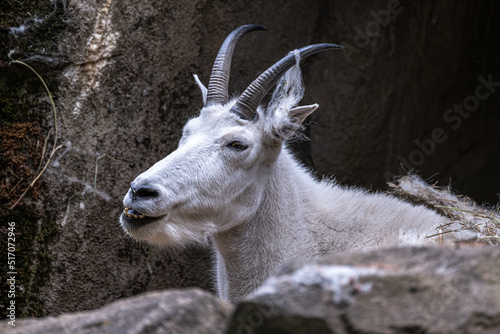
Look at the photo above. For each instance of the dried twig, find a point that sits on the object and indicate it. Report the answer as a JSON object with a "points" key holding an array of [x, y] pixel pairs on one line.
{"points": [[48, 92], [44, 149], [54, 148], [36, 178]]}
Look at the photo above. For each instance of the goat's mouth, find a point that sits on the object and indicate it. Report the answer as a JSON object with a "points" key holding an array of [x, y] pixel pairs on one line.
{"points": [[135, 219], [131, 213]]}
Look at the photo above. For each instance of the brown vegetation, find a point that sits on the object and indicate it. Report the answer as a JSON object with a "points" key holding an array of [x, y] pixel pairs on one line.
{"points": [[21, 147]]}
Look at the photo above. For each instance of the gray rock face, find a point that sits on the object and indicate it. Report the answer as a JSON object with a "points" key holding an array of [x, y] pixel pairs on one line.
{"points": [[406, 290], [187, 311]]}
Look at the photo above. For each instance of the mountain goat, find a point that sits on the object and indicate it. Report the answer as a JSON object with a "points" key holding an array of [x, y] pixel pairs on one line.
{"points": [[234, 181]]}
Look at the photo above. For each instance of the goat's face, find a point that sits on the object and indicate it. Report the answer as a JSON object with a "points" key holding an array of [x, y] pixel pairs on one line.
{"points": [[209, 184], [217, 176]]}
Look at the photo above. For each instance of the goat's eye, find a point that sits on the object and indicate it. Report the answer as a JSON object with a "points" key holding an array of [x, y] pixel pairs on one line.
{"points": [[237, 145]]}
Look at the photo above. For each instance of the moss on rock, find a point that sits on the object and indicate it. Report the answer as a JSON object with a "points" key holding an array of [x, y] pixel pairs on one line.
{"points": [[29, 31]]}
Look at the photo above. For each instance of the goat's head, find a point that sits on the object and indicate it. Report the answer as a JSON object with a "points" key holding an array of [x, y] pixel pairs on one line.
{"points": [[216, 177]]}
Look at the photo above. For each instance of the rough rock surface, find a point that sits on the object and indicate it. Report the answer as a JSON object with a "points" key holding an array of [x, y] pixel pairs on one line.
{"points": [[396, 291], [401, 290], [188, 311]]}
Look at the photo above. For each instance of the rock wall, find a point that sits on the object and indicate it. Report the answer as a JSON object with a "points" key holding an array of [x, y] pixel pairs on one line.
{"points": [[395, 102], [121, 74]]}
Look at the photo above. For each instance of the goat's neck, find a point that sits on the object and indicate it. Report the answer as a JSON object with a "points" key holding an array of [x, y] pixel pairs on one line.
{"points": [[248, 253]]}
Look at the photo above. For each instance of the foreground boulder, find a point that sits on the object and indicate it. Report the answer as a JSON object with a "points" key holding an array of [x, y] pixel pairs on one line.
{"points": [[399, 290], [187, 311], [404, 290]]}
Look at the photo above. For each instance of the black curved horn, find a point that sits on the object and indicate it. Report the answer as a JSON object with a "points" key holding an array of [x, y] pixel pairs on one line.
{"points": [[217, 91], [246, 106]]}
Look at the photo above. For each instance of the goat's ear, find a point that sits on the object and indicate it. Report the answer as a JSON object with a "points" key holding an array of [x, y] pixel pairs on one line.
{"points": [[290, 125], [202, 88], [283, 117], [300, 113]]}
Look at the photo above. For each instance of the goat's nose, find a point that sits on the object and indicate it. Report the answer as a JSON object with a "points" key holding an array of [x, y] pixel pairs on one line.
{"points": [[143, 191]]}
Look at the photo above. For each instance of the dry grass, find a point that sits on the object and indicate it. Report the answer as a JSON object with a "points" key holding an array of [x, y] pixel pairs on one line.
{"points": [[54, 148], [478, 220]]}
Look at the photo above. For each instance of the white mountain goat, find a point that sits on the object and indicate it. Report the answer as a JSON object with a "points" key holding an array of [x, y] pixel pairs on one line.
{"points": [[233, 180]]}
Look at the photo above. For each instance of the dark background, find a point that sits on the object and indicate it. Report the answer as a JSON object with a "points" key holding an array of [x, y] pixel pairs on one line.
{"points": [[124, 88]]}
